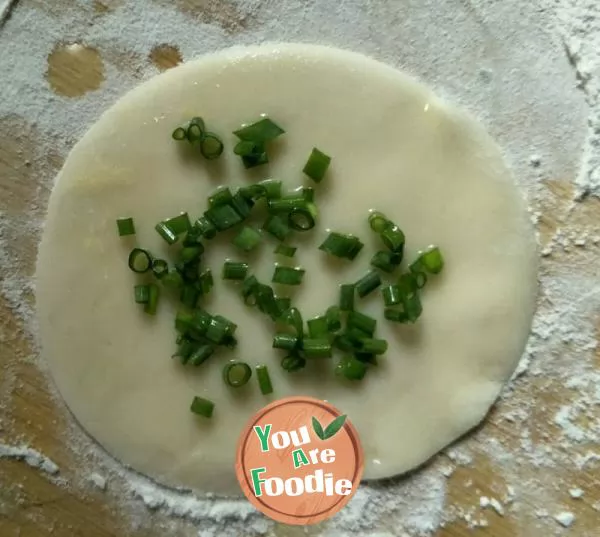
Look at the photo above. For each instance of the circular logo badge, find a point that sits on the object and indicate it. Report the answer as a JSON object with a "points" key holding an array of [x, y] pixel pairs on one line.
{"points": [[299, 460]]}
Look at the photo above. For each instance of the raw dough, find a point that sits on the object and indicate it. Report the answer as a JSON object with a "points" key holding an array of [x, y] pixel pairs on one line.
{"points": [[395, 147]]}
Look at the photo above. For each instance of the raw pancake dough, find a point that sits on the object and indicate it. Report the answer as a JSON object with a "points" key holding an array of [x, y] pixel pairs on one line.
{"points": [[396, 147]]}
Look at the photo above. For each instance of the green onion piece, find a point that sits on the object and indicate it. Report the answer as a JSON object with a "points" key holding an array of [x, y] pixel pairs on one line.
{"points": [[172, 280], [344, 343], [293, 362], [139, 260], [317, 165], [202, 407], [391, 295], [249, 287], [316, 347], [288, 275], [205, 282], [386, 261], [247, 239], [201, 321], [189, 295], [412, 306], [125, 226], [272, 188], [266, 301], [242, 205], [362, 322], [368, 283], [221, 196], [218, 329], [179, 134], [285, 250], [153, 296], [205, 227], [431, 260], [347, 297], [234, 271], [166, 233], [246, 148], [192, 238], [293, 318], [407, 284], [317, 328], [236, 374], [178, 224], [393, 237], [183, 321], [195, 132], [190, 254], [302, 217], [373, 346], [340, 245], [211, 146], [264, 130], [201, 354], [308, 193], [185, 349], [284, 205], [286, 342], [395, 315], [284, 303], [223, 217], [378, 221], [255, 159], [333, 317], [159, 268], [264, 379], [253, 192], [420, 279], [141, 294], [355, 335], [277, 226], [351, 368]]}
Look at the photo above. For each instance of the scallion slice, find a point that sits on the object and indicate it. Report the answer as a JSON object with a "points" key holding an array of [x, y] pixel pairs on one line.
{"points": [[141, 294], [205, 282], [378, 221], [347, 297], [236, 374], [211, 146], [430, 260], [178, 224], [202, 407], [234, 270], [245, 148], [163, 230], [242, 205], [395, 315], [317, 165], [393, 237], [277, 226], [179, 134], [172, 280], [368, 283], [302, 217], [317, 327], [202, 353], [271, 188], [255, 159], [139, 260], [264, 379], [285, 250], [125, 226], [391, 295], [223, 216], [284, 303], [247, 239], [221, 196], [373, 346], [153, 296], [205, 227], [362, 322], [293, 362], [293, 318], [189, 295], [333, 317], [341, 245], [284, 341], [190, 254], [351, 368], [160, 267], [386, 261], [260, 132], [288, 275], [266, 301], [316, 347]]}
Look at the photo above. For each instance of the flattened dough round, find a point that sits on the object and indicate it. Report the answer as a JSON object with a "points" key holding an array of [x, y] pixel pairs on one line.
{"points": [[395, 147]]}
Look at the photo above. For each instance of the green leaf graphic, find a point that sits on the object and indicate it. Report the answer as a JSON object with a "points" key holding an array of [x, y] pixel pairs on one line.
{"points": [[334, 426], [317, 428]]}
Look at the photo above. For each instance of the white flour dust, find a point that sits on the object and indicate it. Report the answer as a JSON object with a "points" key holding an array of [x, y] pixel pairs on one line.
{"points": [[516, 65]]}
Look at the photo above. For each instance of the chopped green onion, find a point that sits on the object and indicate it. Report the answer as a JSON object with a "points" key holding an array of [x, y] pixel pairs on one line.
{"points": [[246, 148], [221, 196], [139, 260], [316, 347], [284, 303], [293, 318], [317, 328], [183, 321], [249, 287], [125, 226], [391, 295], [242, 205], [218, 329], [412, 306], [288, 275], [159, 268], [395, 315], [264, 130], [172, 280], [284, 205], [236, 374], [393, 237], [194, 133], [362, 322], [347, 297], [253, 192], [190, 254], [317, 165], [141, 294], [302, 217], [378, 221], [178, 224], [333, 317], [189, 295], [184, 350], [272, 188], [211, 146], [277, 226], [386, 261], [407, 284], [153, 296], [285, 250], [266, 301], [201, 321], [308, 193], [247, 239], [205, 227], [255, 159], [179, 134], [201, 354], [223, 217], [234, 271], [344, 246], [344, 343], [373, 346], [286, 342], [202, 407], [205, 282], [431, 261], [166, 233], [293, 362], [420, 279], [368, 283], [264, 379], [351, 368]]}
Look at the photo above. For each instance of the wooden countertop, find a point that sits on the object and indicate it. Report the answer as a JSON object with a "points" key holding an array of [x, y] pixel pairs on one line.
{"points": [[31, 503]]}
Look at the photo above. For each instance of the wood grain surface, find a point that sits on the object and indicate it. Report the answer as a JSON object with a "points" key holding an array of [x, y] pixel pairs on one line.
{"points": [[33, 504]]}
